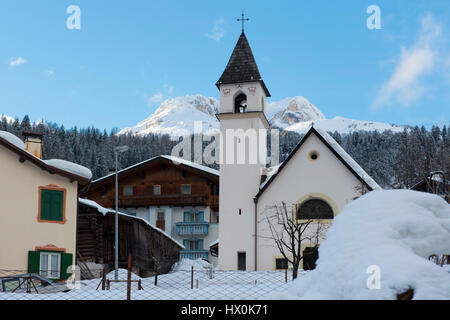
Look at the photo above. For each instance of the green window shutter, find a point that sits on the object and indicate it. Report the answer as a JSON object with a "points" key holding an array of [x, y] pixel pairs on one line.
{"points": [[200, 244], [202, 216], [52, 205], [33, 261], [66, 262]]}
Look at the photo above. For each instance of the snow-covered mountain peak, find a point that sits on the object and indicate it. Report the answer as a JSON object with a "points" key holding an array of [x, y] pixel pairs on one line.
{"points": [[289, 111], [176, 117]]}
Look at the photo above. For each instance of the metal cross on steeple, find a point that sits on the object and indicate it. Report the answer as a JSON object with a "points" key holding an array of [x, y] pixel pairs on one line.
{"points": [[243, 20]]}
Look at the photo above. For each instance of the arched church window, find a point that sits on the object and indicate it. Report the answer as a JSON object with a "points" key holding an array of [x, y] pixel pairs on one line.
{"points": [[240, 103], [314, 209]]}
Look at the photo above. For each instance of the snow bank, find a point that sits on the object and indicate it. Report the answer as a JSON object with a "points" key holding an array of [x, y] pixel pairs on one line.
{"points": [[187, 264], [397, 231], [70, 167], [12, 139]]}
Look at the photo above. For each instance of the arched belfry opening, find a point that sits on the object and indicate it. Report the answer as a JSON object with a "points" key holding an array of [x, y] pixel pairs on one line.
{"points": [[240, 103]]}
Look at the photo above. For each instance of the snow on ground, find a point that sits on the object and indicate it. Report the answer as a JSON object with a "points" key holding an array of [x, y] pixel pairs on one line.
{"points": [[218, 285], [12, 139], [397, 231], [70, 167], [187, 264]]}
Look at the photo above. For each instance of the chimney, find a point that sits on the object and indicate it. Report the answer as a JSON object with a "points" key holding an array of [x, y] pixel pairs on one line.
{"points": [[111, 170], [33, 142]]}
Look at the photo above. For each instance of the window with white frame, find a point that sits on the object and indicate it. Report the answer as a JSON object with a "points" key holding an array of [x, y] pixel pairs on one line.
{"points": [[50, 265]]}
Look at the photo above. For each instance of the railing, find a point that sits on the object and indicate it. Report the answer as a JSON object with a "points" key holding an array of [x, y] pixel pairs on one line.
{"points": [[194, 254], [192, 228]]}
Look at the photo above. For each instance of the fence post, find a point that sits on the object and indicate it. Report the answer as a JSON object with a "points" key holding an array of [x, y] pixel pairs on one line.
{"points": [[139, 285], [192, 277], [285, 275], [129, 278], [197, 283], [103, 278], [156, 274]]}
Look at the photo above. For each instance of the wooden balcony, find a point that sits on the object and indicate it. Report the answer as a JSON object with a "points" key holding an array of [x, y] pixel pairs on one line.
{"points": [[173, 199], [194, 254], [192, 228]]}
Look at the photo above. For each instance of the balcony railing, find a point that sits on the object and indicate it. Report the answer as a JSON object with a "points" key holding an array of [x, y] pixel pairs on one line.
{"points": [[192, 228], [194, 254]]}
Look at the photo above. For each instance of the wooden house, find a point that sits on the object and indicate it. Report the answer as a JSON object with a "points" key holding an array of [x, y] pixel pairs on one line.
{"points": [[151, 248], [177, 196]]}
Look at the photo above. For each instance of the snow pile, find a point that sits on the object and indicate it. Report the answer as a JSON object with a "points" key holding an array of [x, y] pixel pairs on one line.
{"points": [[395, 230], [70, 167], [12, 139], [187, 264]]}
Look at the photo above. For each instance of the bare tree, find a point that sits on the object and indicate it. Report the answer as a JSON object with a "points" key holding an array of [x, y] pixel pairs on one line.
{"points": [[289, 233]]}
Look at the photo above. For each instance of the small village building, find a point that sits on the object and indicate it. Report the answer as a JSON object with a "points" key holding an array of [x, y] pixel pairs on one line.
{"points": [[435, 183], [175, 195], [151, 249], [38, 217], [318, 178]]}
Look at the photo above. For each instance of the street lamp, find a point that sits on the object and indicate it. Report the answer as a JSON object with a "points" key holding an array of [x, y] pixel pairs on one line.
{"points": [[117, 150]]}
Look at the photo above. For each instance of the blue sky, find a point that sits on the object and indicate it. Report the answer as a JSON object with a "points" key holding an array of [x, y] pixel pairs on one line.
{"points": [[130, 55]]}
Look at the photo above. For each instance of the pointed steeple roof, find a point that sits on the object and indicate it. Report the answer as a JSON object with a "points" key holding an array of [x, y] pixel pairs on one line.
{"points": [[242, 66]]}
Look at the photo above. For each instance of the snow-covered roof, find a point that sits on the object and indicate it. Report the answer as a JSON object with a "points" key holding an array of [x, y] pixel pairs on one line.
{"points": [[12, 139], [272, 172], [104, 211], [58, 166], [175, 160], [70, 167], [214, 243]]}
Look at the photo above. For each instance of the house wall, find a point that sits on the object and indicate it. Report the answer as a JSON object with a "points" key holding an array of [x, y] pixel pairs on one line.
{"points": [[20, 230], [326, 178]]}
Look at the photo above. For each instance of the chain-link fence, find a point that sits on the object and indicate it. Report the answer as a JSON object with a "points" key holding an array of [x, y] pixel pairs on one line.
{"points": [[204, 284]]}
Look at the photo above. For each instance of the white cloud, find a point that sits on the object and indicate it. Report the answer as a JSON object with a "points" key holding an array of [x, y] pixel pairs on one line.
{"points": [[14, 62], [404, 85], [156, 98], [161, 95], [50, 72], [218, 30]]}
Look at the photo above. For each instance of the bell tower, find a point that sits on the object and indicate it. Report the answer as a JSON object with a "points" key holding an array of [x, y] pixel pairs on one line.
{"points": [[243, 154]]}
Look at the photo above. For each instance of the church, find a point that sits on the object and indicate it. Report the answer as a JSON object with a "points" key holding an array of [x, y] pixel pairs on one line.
{"points": [[318, 178]]}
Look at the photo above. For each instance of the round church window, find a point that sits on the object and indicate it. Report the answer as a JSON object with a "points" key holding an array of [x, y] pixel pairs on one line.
{"points": [[314, 155]]}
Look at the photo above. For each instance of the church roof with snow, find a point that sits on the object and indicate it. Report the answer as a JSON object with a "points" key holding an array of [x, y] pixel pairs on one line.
{"points": [[336, 149], [242, 66]]}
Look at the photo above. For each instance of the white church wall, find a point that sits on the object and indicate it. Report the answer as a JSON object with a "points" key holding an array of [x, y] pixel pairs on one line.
{"points": [[326, 178]]}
